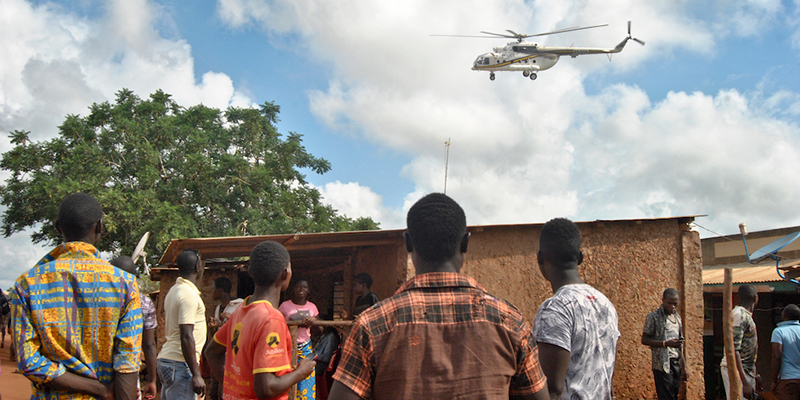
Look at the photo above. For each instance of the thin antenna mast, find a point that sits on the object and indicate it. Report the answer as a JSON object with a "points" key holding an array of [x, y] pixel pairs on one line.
{"points": [[446, 162]]}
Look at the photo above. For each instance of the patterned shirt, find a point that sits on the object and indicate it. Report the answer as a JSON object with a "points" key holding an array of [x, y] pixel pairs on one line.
{"points": [[745, 339], [150, 321], [655, 326], [74, 312], [441, 336], [580, 319]]}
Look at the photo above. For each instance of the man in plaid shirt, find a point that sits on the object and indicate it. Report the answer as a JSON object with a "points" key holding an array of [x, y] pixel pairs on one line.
{"points": [[441, 336]]}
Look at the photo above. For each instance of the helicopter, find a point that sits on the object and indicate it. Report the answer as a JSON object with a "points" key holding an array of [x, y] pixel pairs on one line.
{"points": [[530, 57]]}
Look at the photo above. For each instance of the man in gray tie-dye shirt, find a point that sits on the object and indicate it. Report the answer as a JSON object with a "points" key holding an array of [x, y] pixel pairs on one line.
{"points": [[576, 329]]}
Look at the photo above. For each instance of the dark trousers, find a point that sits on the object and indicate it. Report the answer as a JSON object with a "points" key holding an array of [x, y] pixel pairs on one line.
{"points": [[668, 384], [788, 389]]}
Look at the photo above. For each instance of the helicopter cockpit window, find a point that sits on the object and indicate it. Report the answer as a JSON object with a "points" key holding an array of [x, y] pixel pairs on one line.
{"points": [[485, 61]]}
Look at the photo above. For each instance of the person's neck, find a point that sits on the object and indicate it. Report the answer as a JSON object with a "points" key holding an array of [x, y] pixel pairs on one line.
{"points": [[225, 299], [268, 293], [748, 306], [565, 277], [191, 278], [300, 302]]}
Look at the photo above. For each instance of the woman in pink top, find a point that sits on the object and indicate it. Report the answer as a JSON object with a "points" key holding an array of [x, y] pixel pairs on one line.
{"points": [[299, 308]]}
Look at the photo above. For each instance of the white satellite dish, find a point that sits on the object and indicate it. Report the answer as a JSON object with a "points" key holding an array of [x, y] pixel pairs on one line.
{"points": [[139, 252]]}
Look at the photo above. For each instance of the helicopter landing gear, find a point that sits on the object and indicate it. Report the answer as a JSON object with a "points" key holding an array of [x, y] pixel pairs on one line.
{"points": [[525, 73], [533, 76], [491, 76]]}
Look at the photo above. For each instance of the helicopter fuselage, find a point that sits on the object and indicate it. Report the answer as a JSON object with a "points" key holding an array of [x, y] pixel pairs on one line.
{"points": [[507, 59]]}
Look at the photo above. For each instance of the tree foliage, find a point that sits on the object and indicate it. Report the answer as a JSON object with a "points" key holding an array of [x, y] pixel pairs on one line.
{"points": [[176, 172]]}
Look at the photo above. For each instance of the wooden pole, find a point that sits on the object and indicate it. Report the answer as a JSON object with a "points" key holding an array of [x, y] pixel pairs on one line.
{"points": [[727, 335]]}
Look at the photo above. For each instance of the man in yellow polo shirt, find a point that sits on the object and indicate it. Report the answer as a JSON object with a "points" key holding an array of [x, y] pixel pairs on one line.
{"points": [[185, 325]]}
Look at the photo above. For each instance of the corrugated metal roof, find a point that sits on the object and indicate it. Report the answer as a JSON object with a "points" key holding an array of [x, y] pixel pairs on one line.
{"points": [[749, 274]]}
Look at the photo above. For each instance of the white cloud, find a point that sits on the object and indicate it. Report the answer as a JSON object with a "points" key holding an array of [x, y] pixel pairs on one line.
{"points": [[525, 152], [354, 200]]}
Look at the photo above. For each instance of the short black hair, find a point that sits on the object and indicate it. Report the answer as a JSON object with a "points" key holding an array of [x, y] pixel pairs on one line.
{"points": [[560, 242], [670, 293], [747, 293], [77, 215], [436, 226], [224, 284], [267, 260], [187, 262], [124, 263], [791, 312], [363, 278]]}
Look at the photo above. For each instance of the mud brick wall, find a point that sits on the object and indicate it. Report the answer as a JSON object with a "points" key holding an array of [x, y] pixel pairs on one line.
{"points": [[630, 262]]}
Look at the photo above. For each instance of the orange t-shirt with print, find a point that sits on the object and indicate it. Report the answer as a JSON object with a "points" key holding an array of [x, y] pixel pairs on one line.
{"points": [[257, 341]]}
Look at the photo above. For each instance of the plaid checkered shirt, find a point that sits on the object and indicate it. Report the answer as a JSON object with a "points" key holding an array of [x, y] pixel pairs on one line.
{"points": [[441, 336]]}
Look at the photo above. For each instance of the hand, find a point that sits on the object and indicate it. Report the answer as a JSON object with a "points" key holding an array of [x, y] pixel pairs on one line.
{"points": [[675, 343], [759, 384], [109, 395], [199, 384], [306, 366], [307, 322], [224, 316], [773, 386], [747, 390], [149, 390]]}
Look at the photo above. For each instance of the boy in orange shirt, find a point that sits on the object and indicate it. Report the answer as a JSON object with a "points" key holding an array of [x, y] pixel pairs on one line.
{"points": [[255, 345]]}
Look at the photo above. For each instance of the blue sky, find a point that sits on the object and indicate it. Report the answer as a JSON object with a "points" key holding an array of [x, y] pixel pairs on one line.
{"points": [[701, 120]]}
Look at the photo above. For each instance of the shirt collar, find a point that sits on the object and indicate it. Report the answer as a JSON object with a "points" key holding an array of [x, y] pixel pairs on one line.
{"points": [[786, 323], [70, 247], [181, 280], [439, 280]]}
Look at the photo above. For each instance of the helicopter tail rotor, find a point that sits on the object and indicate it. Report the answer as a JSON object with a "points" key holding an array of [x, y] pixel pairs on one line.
{"points": [[641, 42]]}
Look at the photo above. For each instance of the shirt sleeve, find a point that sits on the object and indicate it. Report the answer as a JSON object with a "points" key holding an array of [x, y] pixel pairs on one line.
{"points": [[355, 368], [738, 329], [187, 310], [222, 337], [777, 337], [552, 325], [128, 340], [271, 354], [31, 362], [650, 326], [529, 377]]}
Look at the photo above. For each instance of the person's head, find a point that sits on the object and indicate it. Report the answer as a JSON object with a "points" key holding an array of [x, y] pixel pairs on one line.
{"points": [[301, 290], [559, 247], [791, 313], [748, 295], [437, 232], [670, 300], [269, 265], [189, 263], [124, 263], [362, 283], [221, 287], [80, 218]]}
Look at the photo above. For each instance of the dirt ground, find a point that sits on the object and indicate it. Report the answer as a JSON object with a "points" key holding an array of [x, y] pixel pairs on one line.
{"points": [[12, 386]]}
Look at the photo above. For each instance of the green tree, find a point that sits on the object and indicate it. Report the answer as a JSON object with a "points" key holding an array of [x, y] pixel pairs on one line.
{"points": [[176, 172]]}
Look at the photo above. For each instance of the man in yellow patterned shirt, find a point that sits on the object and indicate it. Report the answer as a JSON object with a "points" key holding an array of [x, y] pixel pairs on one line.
{"points": [[76, 319]]}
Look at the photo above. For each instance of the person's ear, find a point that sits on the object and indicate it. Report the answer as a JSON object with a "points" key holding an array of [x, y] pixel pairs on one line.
{"points": [[58, 228], [407, 239], [540, 258], [580, 257], [465, 242], [98, 228]]}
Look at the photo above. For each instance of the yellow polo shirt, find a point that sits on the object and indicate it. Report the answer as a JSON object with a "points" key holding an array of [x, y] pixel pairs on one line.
{"points": [[183, 305]]}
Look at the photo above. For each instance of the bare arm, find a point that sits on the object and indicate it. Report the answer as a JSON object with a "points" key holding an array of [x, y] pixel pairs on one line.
{"points": [[76, 383], [215, 355], [777, 357], [554, 361], [747, 388], [268, 385], [190, 355], [125, 386], [341, 392], [149, 349], [648, 341]]}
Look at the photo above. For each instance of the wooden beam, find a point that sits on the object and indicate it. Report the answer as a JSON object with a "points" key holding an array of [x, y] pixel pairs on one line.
{"points": [[727, 335]]}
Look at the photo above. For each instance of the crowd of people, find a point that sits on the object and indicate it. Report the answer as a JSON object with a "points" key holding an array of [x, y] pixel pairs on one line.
{"points": [[79, 326]]}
